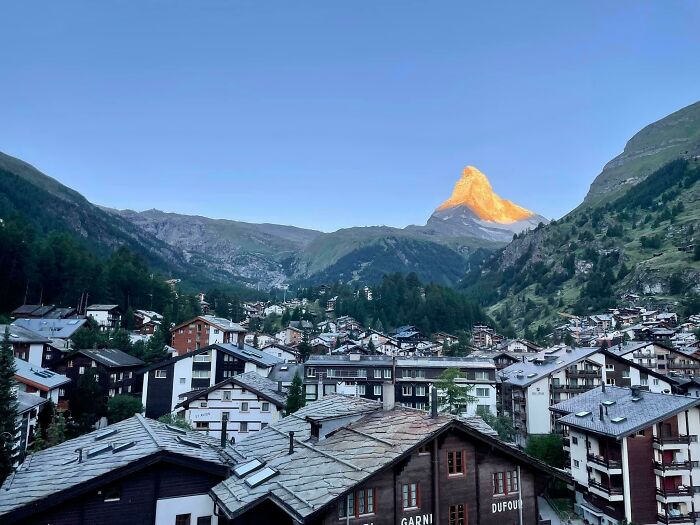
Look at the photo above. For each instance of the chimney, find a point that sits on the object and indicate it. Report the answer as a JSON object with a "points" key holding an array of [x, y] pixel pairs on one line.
{"points": [[279, 387], [433, 403], [291, 442], [388, 396], [224, 423], [80, 454], [600, 411], [602, 385], [241, 340]]}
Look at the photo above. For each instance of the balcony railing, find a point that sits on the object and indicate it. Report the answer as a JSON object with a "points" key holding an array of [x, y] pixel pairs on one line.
{"points": [[611, 491], [572, 388], [682, 366], [675, 440], [677, 491], [677, 518], [605, 462], [583, 373], [673, 465]]}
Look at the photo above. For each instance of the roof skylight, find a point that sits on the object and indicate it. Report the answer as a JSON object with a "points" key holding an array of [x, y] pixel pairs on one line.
{"points": [[619, 419], [583, 413], [247, 468], [188, 442], [260, 477]]}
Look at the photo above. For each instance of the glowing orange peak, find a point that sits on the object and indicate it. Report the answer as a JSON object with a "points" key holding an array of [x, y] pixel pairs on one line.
{"points": [[474, 191]]}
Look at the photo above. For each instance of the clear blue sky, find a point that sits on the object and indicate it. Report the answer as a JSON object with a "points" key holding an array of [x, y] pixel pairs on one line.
{"points": [[331, 114]]}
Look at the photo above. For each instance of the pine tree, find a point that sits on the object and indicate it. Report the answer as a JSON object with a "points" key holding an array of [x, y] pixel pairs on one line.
{"points": [[295, 396], [8, 406], [56, 433]]}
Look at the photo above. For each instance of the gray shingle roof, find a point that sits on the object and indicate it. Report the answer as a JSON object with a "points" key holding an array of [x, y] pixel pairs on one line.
{"points": [[56, 469], [25, 403], [649, 408], [111, 357], [101, 307], [252, 381], [317, 473], [223, 323], [539, 365], [38, 375], [51, 328], [19, 334], [249, 353], [405, 362], [285, 372]]}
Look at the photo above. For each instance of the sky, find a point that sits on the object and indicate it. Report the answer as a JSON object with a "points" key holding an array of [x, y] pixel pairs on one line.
{"points": [[336, 114]]}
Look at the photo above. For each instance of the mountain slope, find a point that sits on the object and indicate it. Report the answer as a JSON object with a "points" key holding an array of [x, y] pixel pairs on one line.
{"points": [[638, 243], [253, 253], [475, 210], [675, 136], [49, 206]]}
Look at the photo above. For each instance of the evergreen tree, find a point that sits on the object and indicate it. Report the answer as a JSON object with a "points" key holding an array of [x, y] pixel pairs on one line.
{"points": [[295, 396], [452, 396], [123, 407], [57, 432], [8, 406], [87, 402], [304, 348]]}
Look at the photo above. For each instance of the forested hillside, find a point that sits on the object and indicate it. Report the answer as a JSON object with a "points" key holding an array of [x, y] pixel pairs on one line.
{"points": [[643, 242]]}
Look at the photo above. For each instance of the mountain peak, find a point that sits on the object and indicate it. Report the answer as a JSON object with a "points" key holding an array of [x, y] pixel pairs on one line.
{"points": [[473, 190]]}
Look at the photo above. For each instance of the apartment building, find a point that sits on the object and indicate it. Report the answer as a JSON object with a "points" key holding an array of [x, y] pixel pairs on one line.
{"points": [[205, 330], [410, 378], [633, 455], [107, 316], [529, 388]]}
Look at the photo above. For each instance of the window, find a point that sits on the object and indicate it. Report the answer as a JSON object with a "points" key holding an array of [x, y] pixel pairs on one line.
{"points": [[81, 370], [577, 463], [243, 427], [183, 519], [203, 404], [201, 374], [420, 391], [265, 407], [226, 395], [406, 390], [204, 520], [455, 464], [625, 374], [610, 381], [420, 374], [422, 406], [112, 494], [425, 449], [409, 496], [387, 373], [162, 374], [505, 482], [457, 515], [244, 406], [377, 390], [482, 392], [405, 373], [365, 501], [310, 372], [481, 375], [201, 424], [655, 382], [204, 357], [574, 440], [377, 373], [609, 366], [485, 409], [360, 390]]}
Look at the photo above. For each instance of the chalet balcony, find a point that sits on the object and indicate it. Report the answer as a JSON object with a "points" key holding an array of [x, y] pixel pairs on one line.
{"points": [[671, 468], [677, 518], [583, 373], [605, 464], [668, 442], [611, 493], [572, 388], [674, 495], [672, 365]]}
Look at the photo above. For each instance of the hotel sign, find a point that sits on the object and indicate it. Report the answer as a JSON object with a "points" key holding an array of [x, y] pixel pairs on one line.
{"points": [[421, 519], [505, 506]]}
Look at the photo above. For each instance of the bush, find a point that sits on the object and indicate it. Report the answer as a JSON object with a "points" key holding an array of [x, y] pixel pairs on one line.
{"points": [[123, 407]]}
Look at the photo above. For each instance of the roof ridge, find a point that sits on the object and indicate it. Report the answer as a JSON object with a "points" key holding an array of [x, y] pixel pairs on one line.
{"points": [[148, 430]]}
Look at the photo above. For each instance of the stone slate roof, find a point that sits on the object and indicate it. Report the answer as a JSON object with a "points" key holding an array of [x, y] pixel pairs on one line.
{"points": [[317, 473], [285, 372], [249, 353], [252, 381], [52, 328], [111, 357], [25, 403], [101, 307], [639, 411], [539, 365], [19, 334], [56, 471], [630, 346], [401, 362], [38, 376]]}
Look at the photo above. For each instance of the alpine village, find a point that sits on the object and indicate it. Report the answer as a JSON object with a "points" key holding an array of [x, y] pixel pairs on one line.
{"points": [[488, 366]]}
